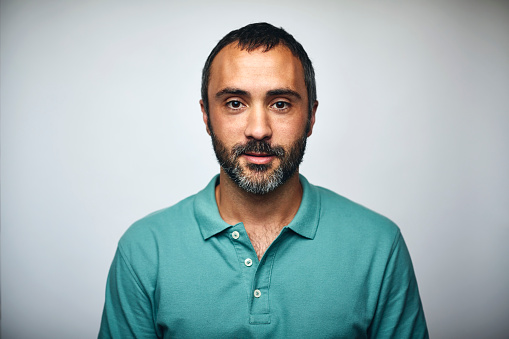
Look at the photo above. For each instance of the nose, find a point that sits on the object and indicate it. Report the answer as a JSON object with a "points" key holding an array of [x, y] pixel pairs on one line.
{"points": [[258, 124]]}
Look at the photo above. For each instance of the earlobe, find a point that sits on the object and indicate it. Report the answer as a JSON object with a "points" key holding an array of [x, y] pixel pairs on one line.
{"points": [[312, 120], [205, 116]]}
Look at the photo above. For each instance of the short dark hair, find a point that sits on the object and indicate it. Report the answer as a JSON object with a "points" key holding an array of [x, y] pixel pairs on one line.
{"points": [[265, 35]]}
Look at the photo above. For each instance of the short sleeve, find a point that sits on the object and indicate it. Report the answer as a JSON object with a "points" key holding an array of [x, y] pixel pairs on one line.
{"points": [[399, 312], [127, 308]]}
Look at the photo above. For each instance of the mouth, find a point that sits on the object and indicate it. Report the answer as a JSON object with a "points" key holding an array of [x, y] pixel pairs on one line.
{"points": [[258, 158]]}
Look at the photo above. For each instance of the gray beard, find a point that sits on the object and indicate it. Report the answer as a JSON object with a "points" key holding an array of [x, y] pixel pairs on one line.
{"points": [[260, 180], [260, 186]]}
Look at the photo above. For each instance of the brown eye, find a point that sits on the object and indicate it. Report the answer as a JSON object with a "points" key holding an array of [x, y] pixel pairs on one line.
{"points": [[234, 104], [281, 105]]}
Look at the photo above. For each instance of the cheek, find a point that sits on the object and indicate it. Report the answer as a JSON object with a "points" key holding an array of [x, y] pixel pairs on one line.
{"points": [[227, 131], [226, 126], [291, 129]]}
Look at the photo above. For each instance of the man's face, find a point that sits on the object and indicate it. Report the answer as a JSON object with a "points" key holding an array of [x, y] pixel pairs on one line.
{"points": [[258, 116]]}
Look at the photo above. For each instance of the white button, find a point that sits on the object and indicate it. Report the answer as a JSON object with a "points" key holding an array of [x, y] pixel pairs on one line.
{"points": [[248, 262], [257, 293], [235, 235]]}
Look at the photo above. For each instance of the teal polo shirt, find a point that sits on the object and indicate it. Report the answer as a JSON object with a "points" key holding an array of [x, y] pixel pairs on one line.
{"points": [[338, 270]]}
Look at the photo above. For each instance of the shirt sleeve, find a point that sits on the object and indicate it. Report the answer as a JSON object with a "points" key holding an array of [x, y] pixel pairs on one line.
{"points": [[399, 312], [127, 308]]}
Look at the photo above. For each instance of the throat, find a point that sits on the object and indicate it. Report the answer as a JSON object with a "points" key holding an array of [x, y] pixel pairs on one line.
{"points": [[263, 216], [262, 237]]}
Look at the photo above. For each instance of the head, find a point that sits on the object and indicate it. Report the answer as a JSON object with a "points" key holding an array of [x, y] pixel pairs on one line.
{"points": [[258, 103], [266, 36]]}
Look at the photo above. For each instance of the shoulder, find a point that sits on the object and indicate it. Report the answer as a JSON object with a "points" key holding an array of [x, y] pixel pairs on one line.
{"points": [[146, 233], [347, 217]]}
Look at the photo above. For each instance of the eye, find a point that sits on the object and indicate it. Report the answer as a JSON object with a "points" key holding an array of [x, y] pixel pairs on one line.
{"points": [[234, 104], [281, 105]]}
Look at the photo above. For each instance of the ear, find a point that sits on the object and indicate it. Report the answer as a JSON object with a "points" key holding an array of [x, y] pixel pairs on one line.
{"points": [[205, 116], [312, 120]]}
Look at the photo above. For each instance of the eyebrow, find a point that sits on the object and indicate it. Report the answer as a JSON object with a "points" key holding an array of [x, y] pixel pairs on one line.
{"points": [[231, 91], [274, 92], [284, 91]]}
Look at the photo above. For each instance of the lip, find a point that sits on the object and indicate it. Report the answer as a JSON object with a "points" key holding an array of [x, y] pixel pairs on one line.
{"points": [[259, 159]]}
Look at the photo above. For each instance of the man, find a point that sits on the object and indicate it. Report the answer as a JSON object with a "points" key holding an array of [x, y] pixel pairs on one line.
{"points": [[260, 252]]}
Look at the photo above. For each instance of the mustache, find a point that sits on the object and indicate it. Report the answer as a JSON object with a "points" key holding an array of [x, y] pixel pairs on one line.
{"points": [[258, 146]]}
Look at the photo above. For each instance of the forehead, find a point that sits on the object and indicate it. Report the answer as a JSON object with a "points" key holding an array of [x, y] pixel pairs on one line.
{"points": [[256, 70]]}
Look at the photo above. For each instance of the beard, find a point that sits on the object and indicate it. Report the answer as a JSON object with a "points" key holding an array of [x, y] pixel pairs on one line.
{"points": [[259, 178]]}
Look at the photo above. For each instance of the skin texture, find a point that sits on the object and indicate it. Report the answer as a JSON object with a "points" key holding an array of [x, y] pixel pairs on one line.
{"points": [[258, 96]]}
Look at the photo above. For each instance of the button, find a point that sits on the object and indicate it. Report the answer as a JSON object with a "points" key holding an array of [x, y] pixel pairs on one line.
{"points": [[257, 293], [235, 235], [248, 262]]}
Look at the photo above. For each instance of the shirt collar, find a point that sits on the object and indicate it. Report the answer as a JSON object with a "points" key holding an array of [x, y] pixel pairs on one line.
{"points": [[206, 211], [210, 222], [307, 218]]}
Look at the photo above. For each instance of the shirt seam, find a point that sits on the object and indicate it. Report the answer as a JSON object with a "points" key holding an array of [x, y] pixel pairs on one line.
{"points": [[132, 272], [242, 272], [394, 245], [270, 274]]}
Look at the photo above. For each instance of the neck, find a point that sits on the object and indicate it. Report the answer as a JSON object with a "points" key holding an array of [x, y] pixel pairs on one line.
{"points": [[272, 210]]}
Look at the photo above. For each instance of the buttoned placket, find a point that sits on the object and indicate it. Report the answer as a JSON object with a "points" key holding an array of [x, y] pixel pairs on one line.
{"points": [[256, 274]]}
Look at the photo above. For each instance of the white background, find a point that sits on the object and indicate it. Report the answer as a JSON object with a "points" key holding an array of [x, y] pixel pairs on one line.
{"points": [[100, 125]]}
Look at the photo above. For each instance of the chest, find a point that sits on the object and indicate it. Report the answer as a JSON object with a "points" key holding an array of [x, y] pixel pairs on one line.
{"points": [[225, 292], [261, 237]]}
